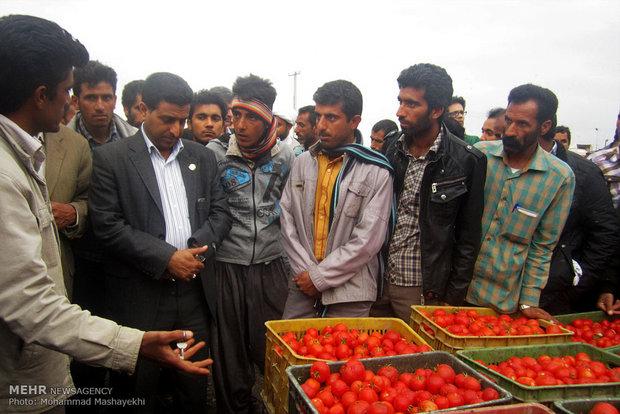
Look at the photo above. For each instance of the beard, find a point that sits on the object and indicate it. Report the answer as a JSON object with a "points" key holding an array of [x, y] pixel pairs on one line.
{"points": [[513, 145], [411, 131]]}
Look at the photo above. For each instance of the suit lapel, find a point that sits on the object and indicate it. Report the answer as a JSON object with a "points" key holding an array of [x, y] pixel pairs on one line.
{"points": [[139, 156], [188, 162], [55, 153]]}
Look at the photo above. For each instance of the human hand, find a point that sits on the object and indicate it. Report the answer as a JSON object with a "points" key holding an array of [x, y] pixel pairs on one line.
{"points": [[156, 347], [184, 265], [606, 304], [534, 312], [64, 214], [305, 284]]}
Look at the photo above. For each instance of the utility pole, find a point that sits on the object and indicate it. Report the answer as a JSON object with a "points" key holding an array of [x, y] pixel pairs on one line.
{"points": [[294, 75]]}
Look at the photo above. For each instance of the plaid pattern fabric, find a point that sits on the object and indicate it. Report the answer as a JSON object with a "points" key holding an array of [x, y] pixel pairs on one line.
{"points": [[608, 160], [404, 264], [524, 214], [113, 134]]}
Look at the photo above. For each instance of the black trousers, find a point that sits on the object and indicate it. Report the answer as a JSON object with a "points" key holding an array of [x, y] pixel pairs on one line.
{"points": [[248, 296], [182, 306]]}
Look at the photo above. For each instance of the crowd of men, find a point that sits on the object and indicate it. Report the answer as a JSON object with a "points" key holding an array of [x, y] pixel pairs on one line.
{"points": [[201, 235]]}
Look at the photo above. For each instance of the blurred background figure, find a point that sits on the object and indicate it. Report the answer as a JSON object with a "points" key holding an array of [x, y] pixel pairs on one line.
{"points": [[382, 131]]}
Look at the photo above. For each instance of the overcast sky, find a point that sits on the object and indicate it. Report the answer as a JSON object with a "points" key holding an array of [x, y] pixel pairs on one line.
{"points": [[487, 47]]}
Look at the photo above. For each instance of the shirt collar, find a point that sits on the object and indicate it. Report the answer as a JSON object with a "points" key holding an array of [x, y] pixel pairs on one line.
{"points": [[29, 144], [112, 130], [176, 149], [434, 148], [539, 161]]}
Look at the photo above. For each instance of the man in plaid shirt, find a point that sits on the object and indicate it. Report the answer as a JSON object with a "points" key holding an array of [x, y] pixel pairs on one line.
{"points": [[528, 193]]}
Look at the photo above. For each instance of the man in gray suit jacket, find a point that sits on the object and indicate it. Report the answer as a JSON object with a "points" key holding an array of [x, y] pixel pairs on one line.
{"points": [[158, 209]]}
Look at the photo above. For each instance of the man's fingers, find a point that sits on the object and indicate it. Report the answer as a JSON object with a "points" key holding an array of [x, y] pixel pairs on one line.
{"points": [[198, 250], [191, 350]]}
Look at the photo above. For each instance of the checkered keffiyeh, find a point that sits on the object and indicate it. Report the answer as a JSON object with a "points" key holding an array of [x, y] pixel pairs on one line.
{"points": [[404, 263]]}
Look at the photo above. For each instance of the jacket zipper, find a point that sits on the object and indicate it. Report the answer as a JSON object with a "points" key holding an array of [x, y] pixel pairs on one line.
{"points": [[254, 214], [435, 185]]}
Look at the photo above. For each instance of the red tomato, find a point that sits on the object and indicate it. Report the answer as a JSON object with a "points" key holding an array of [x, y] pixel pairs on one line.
{"points": [[348, 398], [320, 371], [455, 399], [428, 405], [389, 372], [441, 401], [339, 387], [472, 383], [380, 407], [490, 394], [337, 408], [434, 382], [368, 394], [446, 372], [604, 408], [327, 397], [401, 403], [352, 370], [358, 407]]}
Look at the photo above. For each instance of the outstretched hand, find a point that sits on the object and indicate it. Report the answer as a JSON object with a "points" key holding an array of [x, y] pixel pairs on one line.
{"points": [[538, 313], [606, 303], [156, 347]]}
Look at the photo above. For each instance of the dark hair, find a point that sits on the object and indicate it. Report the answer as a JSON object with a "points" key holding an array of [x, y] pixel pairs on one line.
{"points": [[254, 87], [34, 52], [224, 92], [458, 100], [164, 86], [546, 100], [435, 81], [207, 97], [308, 109], [130, 92], [564, 130], [340, 92], [385, 125], [496, 113], [455, 127], [91, 74]]}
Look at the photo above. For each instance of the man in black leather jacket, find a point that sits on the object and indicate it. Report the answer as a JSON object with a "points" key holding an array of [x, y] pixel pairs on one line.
{"points": [[439, 184], [588, 242]]}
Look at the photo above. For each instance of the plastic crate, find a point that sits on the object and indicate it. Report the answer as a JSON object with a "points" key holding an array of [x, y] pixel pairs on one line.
{"points": [[275, 391], [545, 393], [446, 341], [525, 408], [297, 375], [582, 406], [594, 316]]}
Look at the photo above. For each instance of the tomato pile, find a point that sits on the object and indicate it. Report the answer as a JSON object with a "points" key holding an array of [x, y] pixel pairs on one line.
{"points": [[339, 343], [470, 323], [548, 371], [601, 334], [356, 390]]}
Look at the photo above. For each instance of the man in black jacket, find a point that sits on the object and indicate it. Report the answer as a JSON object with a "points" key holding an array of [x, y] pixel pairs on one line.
{"points": [[439, 182], [588, 242]]}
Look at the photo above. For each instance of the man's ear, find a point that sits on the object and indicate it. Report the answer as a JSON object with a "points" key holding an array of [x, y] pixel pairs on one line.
{"points": [[355, 121], [436, 113], [40, 96], [143, 109], [75, 101], [545, 127]]}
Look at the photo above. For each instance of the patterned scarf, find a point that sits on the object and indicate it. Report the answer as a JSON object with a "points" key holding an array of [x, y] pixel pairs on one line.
{"points": [[263, 111]]}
